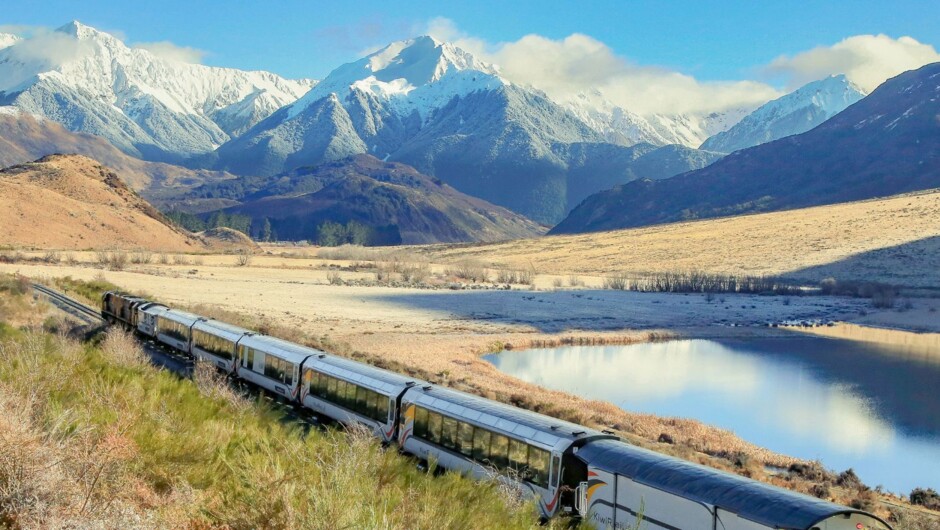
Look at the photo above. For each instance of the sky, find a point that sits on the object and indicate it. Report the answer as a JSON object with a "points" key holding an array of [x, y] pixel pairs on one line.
{"points": [[713, 51]]}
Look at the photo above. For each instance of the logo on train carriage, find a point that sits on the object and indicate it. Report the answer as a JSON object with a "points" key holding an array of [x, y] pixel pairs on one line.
{"points": [[593, 484], [409, 417]]}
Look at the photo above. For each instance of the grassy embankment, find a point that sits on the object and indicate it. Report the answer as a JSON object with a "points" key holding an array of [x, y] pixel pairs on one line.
{"points": [[94, 436]]}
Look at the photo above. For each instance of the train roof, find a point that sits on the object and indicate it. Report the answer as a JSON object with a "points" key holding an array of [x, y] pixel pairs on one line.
{"points": [[288, 351], [222, 329], [512, 420], [384, 381], [762, 503], [181, 316]]}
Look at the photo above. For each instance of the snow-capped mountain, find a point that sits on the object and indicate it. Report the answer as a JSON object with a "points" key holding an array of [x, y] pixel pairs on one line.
{"points": [[8, 39], [794, 113], [624, 127], [438, 108], [148, 106]]}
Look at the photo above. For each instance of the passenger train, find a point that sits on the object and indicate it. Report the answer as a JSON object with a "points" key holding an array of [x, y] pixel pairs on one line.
{"points": [[567, 468]]}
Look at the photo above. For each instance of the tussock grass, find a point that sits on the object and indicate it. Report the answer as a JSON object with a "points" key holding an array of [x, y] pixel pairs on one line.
{"points": [[94, 437]]}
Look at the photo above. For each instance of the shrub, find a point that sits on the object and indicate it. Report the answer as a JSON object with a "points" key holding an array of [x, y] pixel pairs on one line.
{"points": [[469, 271], [243, 258], [575, 281], [334, 278], [618, 282], [928, 498]]}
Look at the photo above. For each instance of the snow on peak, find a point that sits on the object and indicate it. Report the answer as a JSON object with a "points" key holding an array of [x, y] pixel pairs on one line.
{"points": [[99, 65], [414, 75], [8, 39], [794, 113]]}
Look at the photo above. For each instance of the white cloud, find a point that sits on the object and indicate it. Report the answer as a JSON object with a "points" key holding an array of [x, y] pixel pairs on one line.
{"points": [[172, 52], [867, 60], [49, 47], [579, 63]]}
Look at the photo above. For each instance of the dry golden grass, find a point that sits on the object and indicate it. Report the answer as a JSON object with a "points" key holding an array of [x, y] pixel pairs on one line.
{"points": [[763, 244]]}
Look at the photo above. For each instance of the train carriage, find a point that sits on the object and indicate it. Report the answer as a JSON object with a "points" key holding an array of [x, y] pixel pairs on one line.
{"points": [[217, 342], [354, 393], [624, 481], [479, 436], [147, 318], [272, 364], [174, 328]]}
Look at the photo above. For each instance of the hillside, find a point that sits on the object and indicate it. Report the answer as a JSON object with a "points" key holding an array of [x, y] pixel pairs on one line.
{"points": [[73, 202], [894, 240], [398, 203], [887, 143], [24, 138]]}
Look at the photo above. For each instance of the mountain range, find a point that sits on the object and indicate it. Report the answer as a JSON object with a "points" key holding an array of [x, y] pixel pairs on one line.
{"points": [[151, 108], [419, 102], [884, 144]]}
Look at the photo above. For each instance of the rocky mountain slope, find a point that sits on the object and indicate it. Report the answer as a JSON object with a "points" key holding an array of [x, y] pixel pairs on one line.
{"points": [[73, 202], [24, 138], [886, 143], [396, 202], [795, 113], [147, 106]]}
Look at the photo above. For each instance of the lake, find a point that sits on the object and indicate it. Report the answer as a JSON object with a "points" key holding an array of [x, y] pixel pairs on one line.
{"points": [[849, 404]]}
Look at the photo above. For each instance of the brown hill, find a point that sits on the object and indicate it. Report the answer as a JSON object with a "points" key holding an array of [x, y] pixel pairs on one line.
{"points": [[23, 138], [73, 202], [395, 201]]}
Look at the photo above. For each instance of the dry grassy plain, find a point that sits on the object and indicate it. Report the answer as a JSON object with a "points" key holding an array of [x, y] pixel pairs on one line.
{"points": [[895, 240]]}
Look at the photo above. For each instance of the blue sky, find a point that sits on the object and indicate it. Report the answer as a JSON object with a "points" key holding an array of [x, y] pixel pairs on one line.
{"points": [[708, 40]]}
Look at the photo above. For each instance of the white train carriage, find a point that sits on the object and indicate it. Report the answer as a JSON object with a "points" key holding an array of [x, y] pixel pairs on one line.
{"points": [[174, 328], [216, 342], [479, 436], [273, 364], [147, 318], [354, 393], [624, 481]]}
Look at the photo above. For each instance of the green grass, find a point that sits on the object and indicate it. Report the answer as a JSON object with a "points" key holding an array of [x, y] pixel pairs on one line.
{"points": [[124, 441]]}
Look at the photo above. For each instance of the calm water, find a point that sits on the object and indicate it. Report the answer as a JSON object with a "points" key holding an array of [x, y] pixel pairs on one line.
{"points": [[845, 403]]}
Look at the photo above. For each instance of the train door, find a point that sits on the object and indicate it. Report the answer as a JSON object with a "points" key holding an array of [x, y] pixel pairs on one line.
{"points": [[554, 483]]}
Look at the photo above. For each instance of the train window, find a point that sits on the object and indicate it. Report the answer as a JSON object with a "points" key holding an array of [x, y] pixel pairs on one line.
{"points": [[287, 372], [481, 444], [449, 433], [173, 329], [421, 422], [331, 389], [243, 352], [499, 451], [213, 345], [434, 427], [341, 392], [350, 396], [518, 455], [465, 438], [538, 466], [556, 470], [362, 401]]}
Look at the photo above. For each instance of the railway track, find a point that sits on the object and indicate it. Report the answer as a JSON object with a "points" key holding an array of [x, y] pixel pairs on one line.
{"points": [[77, 309]]}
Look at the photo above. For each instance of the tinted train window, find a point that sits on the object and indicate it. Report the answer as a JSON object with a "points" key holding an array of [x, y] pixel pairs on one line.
{"points": [[518, 455], [499, 451], [538, 466], [421, 422], [375, 406], [213, 345], [465, 438], [434, 427], [449, 433], [481, 445]]}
